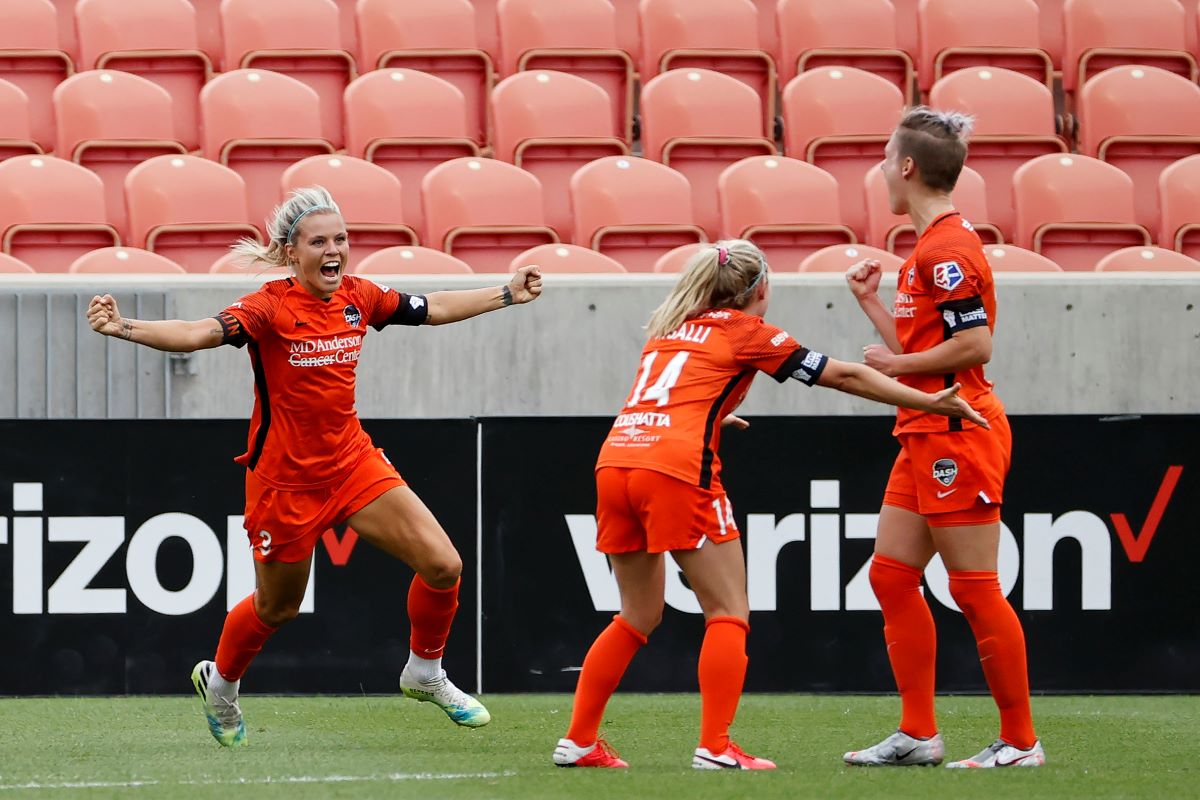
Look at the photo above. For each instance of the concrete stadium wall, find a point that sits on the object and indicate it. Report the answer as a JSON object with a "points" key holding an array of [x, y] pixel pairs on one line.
{"points": [[1074, 343]]}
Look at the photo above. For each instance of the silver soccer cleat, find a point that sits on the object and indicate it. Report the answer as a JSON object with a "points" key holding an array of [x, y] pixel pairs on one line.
{"points": [[900, 750]]}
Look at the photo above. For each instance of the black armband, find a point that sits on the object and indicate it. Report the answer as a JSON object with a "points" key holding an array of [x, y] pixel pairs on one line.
{"points": [[232, 331], [413, 309], [958, 315], [804, 365]]}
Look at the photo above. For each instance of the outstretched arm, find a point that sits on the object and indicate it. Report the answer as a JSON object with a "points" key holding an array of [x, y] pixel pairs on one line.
{"points": [[861, 380], [173, 335], [455, 306], [966, 348], [863, 280]]}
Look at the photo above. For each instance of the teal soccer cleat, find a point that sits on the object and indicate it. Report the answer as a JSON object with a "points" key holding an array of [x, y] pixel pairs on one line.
{"points": [[224, 716], [459, 706]]}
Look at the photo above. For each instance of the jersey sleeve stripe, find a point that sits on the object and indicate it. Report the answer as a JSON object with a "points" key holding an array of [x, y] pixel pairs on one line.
{"points": [[706, 460], [264, 399]]}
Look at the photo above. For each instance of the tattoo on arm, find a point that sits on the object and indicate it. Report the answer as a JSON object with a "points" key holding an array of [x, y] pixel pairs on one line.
{"points": [[506, 295], [126, 330]]}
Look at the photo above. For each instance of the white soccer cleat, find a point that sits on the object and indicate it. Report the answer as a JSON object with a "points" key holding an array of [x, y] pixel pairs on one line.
{"points": [[734, 757], [459, 706], [1001, 754], [598, 754], [900, 750], [224, 717]]}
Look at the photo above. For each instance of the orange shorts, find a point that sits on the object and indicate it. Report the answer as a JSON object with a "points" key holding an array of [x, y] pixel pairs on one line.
{"points": [[952, 478], [284, 525], [643, 510]]}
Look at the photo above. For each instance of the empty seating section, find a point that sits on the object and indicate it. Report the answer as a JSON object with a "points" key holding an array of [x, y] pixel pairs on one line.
{"points": [[591, 136], [124, 260], [840, 257]]}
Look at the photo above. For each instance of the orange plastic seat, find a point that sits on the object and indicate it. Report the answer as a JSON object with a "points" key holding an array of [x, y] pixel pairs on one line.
{"points": [[565, 259], [787, 207], [1075, 210], [368, 195], [32, 59], [550, 124], [157, 41], [1014, 122], [717, 35], [298, 38], [846, 33], [699, 122], [840, 119], [896, 234], [435, 37], [483, 211], [1002, 34], [840, 257], [575, 36], [186, 208], [1142, 120], [16, 131], [1147, 259], [124, 260], [51, 212], [1010, 258], [110, 121], [1179, 201], [259, 123], [235, 264], [13, 266], [407, 122], [1099, 34], [632, 210], [675, 259], [411, 261]]}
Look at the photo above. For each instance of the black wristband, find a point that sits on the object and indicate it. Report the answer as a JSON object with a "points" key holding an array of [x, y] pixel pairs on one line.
{"points": [[507, 295]]}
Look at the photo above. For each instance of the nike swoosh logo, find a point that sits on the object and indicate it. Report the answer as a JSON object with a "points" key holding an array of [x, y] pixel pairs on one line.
{"points": [[946, 494], [902, 756], [1014, 762], [718, 762]]}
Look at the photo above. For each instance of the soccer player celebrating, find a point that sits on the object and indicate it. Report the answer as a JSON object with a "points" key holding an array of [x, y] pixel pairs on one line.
{"points": [[946, 487], [309, 464], [658, 485]]}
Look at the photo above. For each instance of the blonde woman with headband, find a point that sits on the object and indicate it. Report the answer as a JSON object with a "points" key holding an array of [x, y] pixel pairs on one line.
{"points": [[309, 463], [658, 486], [947, 485]]}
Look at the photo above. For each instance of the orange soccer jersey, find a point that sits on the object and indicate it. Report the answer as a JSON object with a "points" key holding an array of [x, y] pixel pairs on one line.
{"points": [[304, 432], [945, 286], [688, 382]]}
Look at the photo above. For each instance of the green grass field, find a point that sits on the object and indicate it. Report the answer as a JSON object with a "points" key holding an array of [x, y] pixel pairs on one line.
{"points": [[302, 747]]}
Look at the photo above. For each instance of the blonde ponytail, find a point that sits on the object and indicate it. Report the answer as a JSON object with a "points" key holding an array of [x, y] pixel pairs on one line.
{"points": [[721, 275]]}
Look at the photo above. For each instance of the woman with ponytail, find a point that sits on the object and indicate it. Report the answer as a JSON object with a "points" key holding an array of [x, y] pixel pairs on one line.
{"points": [[658, 485]]}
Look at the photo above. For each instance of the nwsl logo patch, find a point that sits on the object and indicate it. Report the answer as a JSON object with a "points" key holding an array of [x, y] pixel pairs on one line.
{"points": [[947, 275], [352, 315]]}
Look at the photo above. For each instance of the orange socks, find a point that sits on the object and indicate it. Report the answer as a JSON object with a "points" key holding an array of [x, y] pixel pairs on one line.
{"points": [[1001, 650], [911, 641], [722, 672], [603, 667], [430, 612], [241, 639]]}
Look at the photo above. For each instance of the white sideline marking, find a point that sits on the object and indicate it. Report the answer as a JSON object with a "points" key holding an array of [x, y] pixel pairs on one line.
{"points": [[388, 778]]}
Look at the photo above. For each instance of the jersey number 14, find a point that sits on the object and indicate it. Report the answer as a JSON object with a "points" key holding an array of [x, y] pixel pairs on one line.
{"points": [[660, 390]]}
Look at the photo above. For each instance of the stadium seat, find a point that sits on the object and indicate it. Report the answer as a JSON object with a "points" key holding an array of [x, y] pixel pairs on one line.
{"points": [[1010, 258], [718, 35], [1075, 210], [698, 122], [235, 264], [1140, 119], [845, 33], [675, 259], [298, 38], [109, 121], [483, 211], [51, 212], [1179, 201], [368, 195], [561, 259], [1002, 34], [16, 132], [12, 266], [1014, 122], [1099, 34], [407, 122], [155, 40], [575, 36], [896, 234], [840, 119], [1050, 15], [31, 58], [632, 210], [435, 37], [258, 123], [840, 257], [787, 207], [1147, 259], [124, 260], [550, 124], [411, 261]]}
